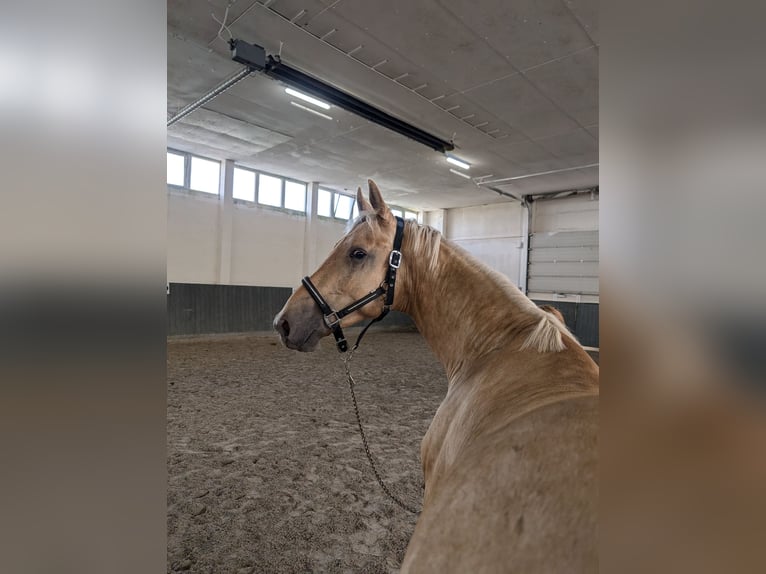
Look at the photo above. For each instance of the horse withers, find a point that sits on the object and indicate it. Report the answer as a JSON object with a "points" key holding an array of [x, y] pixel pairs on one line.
{"points": [[510, 458]]}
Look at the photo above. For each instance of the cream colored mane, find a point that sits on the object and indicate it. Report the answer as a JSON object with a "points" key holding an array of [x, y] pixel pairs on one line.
{"points": [[424, 242]]}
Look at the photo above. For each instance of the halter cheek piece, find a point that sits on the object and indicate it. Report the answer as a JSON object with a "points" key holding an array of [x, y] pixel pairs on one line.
{"points": [[332, 318]]}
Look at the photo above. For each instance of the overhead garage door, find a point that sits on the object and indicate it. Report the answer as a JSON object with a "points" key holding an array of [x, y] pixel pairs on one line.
{"points": [[563, 262], [562, 265]]}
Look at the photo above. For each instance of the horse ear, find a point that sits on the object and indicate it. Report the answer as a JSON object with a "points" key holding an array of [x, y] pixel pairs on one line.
{"points": [[377, 200], [361, 202]]}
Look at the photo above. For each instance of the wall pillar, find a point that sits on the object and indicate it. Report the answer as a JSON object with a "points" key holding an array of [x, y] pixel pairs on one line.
{"points": [[310, 234], [225, 218], [437, 219]]}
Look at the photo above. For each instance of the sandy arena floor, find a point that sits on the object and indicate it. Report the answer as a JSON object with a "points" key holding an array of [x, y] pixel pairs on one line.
{"points": [[266, 471], [266, 468]]}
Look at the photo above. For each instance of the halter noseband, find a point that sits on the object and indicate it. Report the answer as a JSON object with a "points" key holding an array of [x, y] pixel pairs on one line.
{"points": [[332, 318]]}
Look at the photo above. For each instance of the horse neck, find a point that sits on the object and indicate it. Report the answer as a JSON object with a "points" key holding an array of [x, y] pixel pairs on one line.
{"points": [[462, 309]]}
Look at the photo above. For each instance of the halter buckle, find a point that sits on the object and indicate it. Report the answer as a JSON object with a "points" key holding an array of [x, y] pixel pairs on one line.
{"points": [[331, 320], [395, 259]]}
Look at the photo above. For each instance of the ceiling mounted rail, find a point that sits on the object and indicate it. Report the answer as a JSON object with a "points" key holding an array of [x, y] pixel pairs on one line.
{"points": [[255, 58], [303, 27]]}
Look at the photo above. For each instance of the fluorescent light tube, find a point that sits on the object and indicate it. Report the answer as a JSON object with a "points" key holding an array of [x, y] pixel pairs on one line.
{"points": [[460, 173], [458, 162], [307, 98], [301, 106]]}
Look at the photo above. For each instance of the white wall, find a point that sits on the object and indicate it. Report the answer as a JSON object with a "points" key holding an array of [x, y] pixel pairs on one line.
{"points": [[193, 243], [435, 219], [494, 234], [276, 248], [266, 247]]}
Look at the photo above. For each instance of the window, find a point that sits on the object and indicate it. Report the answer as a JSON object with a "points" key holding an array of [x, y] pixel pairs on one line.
{"points": [[243, 184], [404, 213], [202, 174], [205, 175], [295, 196], [269, 190], [176, 169], [337, 205], [343, 204], [324, 203]]}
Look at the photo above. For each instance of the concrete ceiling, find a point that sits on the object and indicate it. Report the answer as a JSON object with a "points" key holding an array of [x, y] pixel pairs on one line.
{"points": [[515, 84]]}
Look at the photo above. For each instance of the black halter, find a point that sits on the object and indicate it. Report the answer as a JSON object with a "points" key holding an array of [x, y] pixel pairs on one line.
{"points": [[332, 318]]}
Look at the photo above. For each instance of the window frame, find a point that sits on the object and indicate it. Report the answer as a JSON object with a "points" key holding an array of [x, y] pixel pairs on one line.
{"points": [[188, 175], [283, 179], [255, 185], [333, 217], [186, 187], [187, 169], [332, 193], [305, 185], [187, 157], [405, 211], [281, 190], [334, 204]]}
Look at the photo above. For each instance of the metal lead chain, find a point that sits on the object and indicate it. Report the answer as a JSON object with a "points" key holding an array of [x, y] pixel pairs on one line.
{"points": [[351, 384]]}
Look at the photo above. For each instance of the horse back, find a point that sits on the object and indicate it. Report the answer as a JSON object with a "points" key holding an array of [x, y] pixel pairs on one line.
{"points": [[522, 498]]}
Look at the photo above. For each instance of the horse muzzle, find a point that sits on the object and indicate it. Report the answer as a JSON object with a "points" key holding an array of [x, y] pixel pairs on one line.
{"points": [[300, 330]]}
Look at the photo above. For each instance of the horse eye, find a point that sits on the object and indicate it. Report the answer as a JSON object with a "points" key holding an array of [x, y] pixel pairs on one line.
{"points": [[358, 254]]}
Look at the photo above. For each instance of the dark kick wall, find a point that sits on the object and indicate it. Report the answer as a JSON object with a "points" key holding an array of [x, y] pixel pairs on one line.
{"points": [[196, 309], [581, 318]]}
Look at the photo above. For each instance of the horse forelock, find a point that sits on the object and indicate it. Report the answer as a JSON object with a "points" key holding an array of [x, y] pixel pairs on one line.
{"points": [[363, 217]]}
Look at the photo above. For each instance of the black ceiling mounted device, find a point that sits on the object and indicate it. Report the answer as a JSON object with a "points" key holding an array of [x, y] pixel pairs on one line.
{"points": [[256, 59]]}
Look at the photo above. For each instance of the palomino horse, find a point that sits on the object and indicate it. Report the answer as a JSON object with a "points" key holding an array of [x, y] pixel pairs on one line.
{"points": [[510, 458]]}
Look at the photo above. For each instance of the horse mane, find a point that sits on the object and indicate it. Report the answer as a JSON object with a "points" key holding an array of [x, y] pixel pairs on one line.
{"points": [[424, 242], [545, 337], [547, 331]]}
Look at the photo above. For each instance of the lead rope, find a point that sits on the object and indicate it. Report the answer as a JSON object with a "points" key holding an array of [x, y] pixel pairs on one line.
{"points": [[351, 383]]}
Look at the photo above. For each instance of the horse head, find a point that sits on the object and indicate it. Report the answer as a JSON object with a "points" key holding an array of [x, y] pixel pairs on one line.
{"points": [[355, 268]]}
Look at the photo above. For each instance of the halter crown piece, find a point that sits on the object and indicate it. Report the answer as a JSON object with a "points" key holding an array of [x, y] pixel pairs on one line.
{"points": [[332, 318]]}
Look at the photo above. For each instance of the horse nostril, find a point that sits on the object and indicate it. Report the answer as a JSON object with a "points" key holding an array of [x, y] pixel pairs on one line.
{"points": [[284, 327]]}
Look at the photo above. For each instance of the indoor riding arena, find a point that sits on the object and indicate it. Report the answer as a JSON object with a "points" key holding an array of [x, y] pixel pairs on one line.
{"points": [[476, 119]]}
